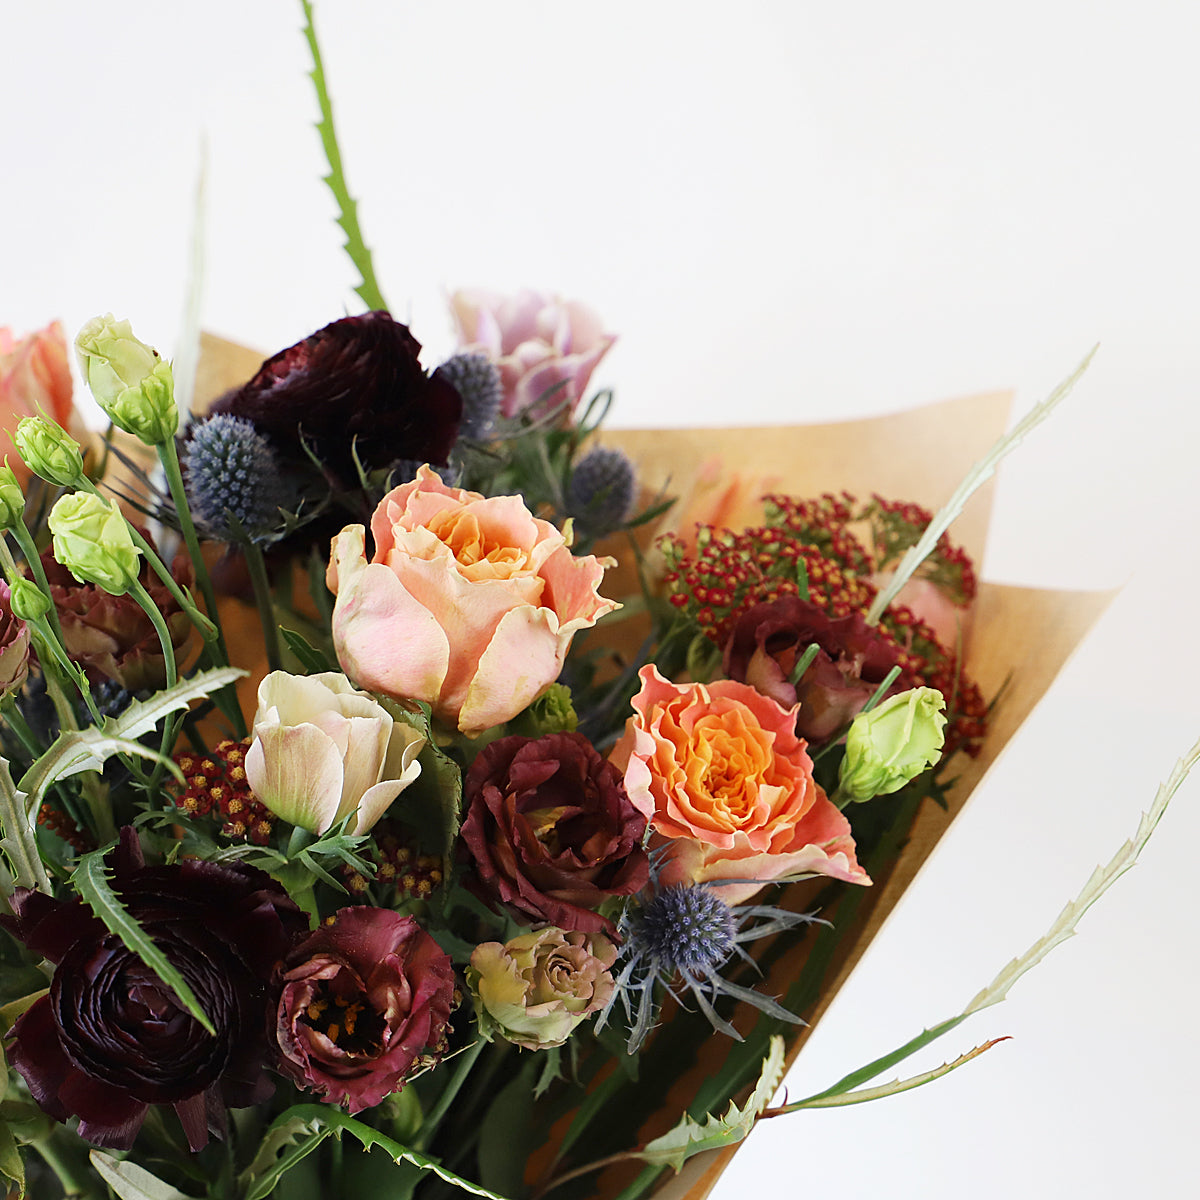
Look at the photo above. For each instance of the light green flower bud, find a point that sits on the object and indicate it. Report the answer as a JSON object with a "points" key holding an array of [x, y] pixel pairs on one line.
{"points": [[892, 744], [551, 712], [12, 499], [28, 601], [92, 540], [130, 381], [50, 451], [537, 988]]}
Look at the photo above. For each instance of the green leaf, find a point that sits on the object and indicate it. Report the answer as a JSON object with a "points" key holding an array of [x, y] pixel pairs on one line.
{"points": [[131, 1182], [296, 1137], [88, 749], [430, 806], [90, 881], [356, 248], [690, 1137], [323, 1121], [508, 1134], [19, 842], [979, 474], [311, 659], [11, 1166]]}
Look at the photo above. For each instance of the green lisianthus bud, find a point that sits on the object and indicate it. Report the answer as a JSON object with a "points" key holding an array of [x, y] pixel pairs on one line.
{"points": [[12, 499], [551, 712], [50, 451], [92, 540], [892, 744], [130, 381], [28, 601]]}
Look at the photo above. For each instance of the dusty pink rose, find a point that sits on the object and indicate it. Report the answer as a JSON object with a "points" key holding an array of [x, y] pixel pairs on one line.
{"points": [[546, 348], [720, 774], [35, 379], [468, 603]]}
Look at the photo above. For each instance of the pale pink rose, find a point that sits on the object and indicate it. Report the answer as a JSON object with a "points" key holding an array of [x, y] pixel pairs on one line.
{"points": [[469, 603], [546, 348], [35, 380], [719, 773]]}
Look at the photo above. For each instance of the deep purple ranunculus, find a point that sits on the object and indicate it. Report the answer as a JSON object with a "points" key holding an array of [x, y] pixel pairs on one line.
{"points": [[852, 661], [364, 999], [551, 832], [110, 1038], [354, 387]]}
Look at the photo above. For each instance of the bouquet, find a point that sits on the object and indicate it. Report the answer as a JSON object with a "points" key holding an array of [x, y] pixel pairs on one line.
{"points": [[396, 795]]}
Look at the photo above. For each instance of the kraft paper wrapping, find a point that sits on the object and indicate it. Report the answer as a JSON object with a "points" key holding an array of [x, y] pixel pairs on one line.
{"points": [[1017, 638]]}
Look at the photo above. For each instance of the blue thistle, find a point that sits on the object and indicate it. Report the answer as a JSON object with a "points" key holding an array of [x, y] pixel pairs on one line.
{"points": [[404, 470], [600, 494], [232, 472], [682, 936], [477, 380]]}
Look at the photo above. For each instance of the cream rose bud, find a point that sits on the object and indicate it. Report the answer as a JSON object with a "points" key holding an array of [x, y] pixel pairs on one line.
{"points": [[534, 990], [892, 744], [322, 750], [129, 379]]}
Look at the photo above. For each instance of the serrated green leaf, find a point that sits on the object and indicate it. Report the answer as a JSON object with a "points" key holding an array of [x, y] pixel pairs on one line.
{"points": [[690, 1137], [131, 1182], [323, 1121], [19, 841], [74, 751], [431, 804], [91, 882], [310, 658], [347, 218], [287, 1141]]}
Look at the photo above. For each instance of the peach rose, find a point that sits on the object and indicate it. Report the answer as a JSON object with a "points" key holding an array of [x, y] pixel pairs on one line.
{"points": [[35, 380], [543, 346], [469, 603], [720, 774]]}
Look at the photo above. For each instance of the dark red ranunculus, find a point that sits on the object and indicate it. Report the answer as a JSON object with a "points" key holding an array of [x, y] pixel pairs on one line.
{"points": [[111, 1039], [111, 637], [355, 386], [551, 832], [853, 660], [364, 999]]}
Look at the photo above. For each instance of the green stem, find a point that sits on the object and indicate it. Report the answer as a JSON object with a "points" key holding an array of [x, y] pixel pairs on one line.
{"points": [[262, 599], [170, 728], [34, 559], [76, 1180], [430, 1125], [17, 723]]}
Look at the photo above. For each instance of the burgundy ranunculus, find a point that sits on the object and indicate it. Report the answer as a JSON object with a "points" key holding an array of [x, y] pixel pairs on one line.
{"points": [[852, 662], [353, 387], [111, 637], [551, 832], [364, 999], [111, 1039]]}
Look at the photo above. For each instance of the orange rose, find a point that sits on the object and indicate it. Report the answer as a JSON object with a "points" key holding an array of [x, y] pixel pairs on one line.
{"points": [[718, 771]]}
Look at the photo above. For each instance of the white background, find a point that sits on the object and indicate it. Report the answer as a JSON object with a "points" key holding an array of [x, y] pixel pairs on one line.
{"points": [[787, 211]]}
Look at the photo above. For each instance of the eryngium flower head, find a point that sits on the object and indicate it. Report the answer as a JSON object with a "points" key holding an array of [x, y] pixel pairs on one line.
{"points": [[232, 472], [681, 936], [110, 1038], [477, 380], [364, 1001], [354, 388], [601, 492]]}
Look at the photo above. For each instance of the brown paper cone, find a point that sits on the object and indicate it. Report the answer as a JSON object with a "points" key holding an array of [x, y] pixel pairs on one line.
{"points": [[1019, 637]]}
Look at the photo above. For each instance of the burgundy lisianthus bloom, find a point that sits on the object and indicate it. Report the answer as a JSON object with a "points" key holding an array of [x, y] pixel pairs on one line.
{"points": [[111, 637], [550, 831], [853, 660], [364, 999], [110, 1038], [354, 387]]}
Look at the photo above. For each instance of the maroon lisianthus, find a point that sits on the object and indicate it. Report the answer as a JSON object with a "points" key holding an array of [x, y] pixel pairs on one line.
{"points": [[111, 637], [365, 998], [551, 832], [853, 660], [110, 1038], [354, 387]]}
